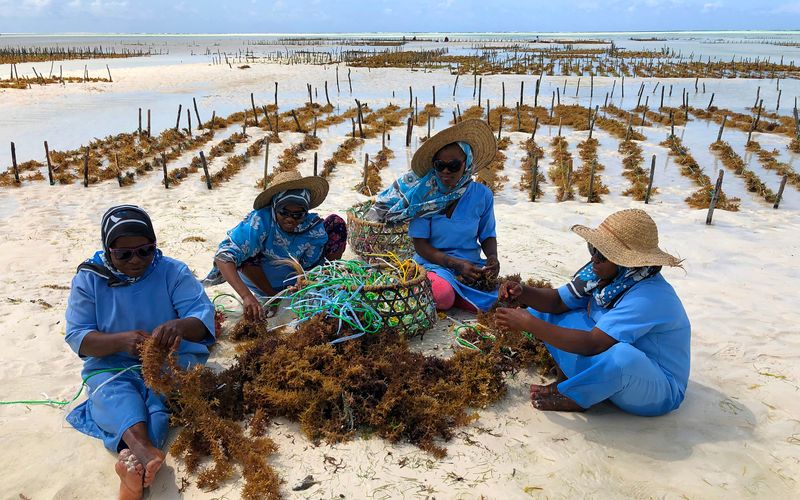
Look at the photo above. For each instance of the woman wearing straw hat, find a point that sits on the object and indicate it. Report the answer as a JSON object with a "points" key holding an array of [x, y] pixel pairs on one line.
{"points": [[617, 331], [252, 258], [451, 217]]}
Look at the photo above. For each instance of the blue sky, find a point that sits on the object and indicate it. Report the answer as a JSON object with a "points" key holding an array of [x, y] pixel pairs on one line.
{"points": [[287, 16]]}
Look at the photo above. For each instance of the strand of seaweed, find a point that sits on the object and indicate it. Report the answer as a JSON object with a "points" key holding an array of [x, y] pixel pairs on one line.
{"points": [[532, 153], [587, 150], [745, 122], [374, 182], [769, 160], [343, 154], [560, 172], [290, 158], [491, 175], [633, 171], [626, 116], [375, 385], [26, 83], [733, 161], [689, 168], [428, 112], [233, 164], [32, 166]]}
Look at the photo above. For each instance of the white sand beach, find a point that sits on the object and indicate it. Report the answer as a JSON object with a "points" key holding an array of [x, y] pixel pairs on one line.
{"points": [[736, 435]]}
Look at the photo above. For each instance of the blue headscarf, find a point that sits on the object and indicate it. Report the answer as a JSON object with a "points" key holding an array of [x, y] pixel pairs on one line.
{"points": [[411, 197]]}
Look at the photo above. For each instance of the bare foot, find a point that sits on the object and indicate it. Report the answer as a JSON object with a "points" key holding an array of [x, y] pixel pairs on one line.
{"points": [[556, 402], [152, 465], [541, 391], [131, 475]]}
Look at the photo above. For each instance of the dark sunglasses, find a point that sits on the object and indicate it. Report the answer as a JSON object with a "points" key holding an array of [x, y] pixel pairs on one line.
{"points": [[452, 165], [294, 215], [596, 255], [143, 252]]}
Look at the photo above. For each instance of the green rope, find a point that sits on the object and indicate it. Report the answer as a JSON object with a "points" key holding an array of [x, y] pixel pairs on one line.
{"points": [[62, 403]]}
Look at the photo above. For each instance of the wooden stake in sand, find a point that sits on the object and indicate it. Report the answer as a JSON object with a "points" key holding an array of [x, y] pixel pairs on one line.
{"points": [[148, 123], [109, 74], [337, 80], [536, 94], [480, 89], [178, 120], [315, 164], [164, 166], [434, 95], [408, 131], [14, 163], [591, 181], [255, 111], [266, 163], [326, 94], [715, 197], [49, 165], [722, 128], [780, 192], [197, 114], [535, 126], [366, 172], [205, 170], [650, 181], [189, 122], [349, 81], [116, 167], [535, 182], [276, 97], [297, 122], [455, 85], [85, 168], [140, 122]]}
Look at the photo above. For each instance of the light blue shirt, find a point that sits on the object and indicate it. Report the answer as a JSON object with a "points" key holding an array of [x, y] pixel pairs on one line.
{"points": [[167, 291], [651, 318], [461, 234]]}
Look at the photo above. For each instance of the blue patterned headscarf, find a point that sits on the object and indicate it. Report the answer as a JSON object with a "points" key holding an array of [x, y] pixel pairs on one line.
{"points": [[586, 283], [411, 197]]}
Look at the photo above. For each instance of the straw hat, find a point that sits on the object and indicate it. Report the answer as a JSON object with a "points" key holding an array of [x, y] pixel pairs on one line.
{"points": [[476, 133], [285, 181], [628, 238]]}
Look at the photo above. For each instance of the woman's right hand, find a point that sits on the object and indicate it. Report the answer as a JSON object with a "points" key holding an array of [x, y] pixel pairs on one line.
{"points": [[509, 290], [468, 270], [130, 341], [252, 309]]}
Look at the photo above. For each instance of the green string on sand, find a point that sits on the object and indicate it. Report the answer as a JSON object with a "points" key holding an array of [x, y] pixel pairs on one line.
{"points": [[63, 403]]}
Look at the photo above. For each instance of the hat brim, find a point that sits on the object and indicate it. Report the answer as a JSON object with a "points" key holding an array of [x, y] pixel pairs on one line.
{"points": [[476, 133], [616, 252], [317, 186]]}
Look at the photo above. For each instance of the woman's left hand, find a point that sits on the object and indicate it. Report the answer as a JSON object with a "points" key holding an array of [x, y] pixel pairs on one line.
{"points": [[515, 319], [168, 335], [492, 266]]}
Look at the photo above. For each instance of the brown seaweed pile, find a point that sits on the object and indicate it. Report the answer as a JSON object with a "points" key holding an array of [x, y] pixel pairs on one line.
{"points": [[373, 181], [632, 170], [587, 150], [343, 154], [769, 160], [533, 153], [733, 161], [374, 385], [689, 168], [560, 171]]}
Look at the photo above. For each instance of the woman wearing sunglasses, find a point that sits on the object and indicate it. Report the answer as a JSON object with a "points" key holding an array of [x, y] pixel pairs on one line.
{"points": [[124, 294], [451, 218], [617, 331], [252, 258]]}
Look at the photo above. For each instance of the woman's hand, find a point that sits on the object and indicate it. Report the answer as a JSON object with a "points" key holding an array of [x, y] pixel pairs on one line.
{"points": [[516, 320], [492, 267], [252, 309], [168, 335], [129, 342], [467, 269], [509, 290]]}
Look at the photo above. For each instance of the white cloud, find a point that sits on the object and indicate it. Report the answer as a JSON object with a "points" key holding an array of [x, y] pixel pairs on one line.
{"points": [[708, 7]]}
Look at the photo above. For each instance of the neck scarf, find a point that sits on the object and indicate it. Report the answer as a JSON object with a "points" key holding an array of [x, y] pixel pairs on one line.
{"points": [[411, 197], [586, 283]]}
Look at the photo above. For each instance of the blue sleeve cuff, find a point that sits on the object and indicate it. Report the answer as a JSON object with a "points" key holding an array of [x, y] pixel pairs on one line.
{"points": [[570, 300]]}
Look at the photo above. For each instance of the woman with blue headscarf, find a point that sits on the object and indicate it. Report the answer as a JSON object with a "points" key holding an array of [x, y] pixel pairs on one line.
{"points": [[253, 257], [123, 294], [451, 219]]}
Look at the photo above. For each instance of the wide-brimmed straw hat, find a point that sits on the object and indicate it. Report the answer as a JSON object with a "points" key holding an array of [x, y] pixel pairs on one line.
{"points": [[285, 181], [476, 133], [628, 238]]}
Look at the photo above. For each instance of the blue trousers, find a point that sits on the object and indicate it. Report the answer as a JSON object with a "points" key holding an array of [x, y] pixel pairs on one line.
{"points": [[622, 374], [116, 406]]}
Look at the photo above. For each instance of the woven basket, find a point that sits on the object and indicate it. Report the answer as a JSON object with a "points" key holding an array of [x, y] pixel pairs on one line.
{"points": [[407, 309], [371, 240]]}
